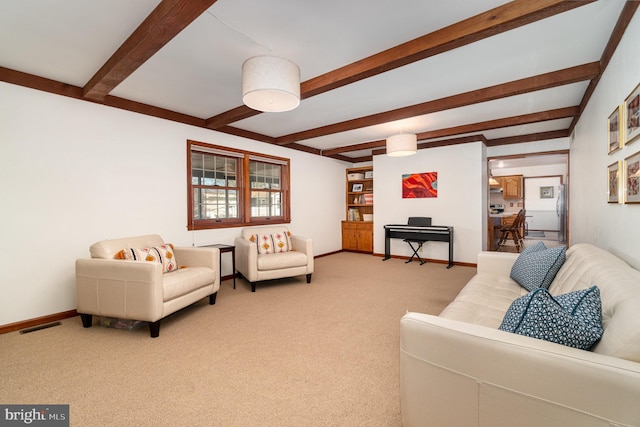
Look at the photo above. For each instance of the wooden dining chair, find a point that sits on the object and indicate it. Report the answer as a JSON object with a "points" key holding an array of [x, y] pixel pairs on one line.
{"points": [[515, 230]]}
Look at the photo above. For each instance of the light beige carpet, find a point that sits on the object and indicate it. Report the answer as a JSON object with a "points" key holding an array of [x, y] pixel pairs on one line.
{"points": [[291, 354]]}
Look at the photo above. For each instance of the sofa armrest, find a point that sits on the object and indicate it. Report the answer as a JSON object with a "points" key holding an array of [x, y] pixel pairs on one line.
{"points": [[302, 244], [496, 263], [119, 288], [455, 373], [198, 257], [247, 258], [305, 245]]}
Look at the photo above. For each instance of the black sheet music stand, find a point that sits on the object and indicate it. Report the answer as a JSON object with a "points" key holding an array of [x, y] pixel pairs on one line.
{"points": [[417, 221]]}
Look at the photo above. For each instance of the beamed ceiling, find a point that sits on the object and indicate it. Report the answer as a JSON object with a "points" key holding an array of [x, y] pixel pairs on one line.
{"points": [[451, 71]]}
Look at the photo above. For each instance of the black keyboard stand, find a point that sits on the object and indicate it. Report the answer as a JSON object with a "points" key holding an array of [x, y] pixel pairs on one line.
{"points": [[415, 250], [423, 232]]}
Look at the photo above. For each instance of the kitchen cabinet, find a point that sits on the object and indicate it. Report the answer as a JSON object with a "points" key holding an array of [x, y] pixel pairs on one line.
{"points": [[512, 187]]}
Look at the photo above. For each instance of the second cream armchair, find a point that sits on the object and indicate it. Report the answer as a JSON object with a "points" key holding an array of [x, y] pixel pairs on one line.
{"points": [[267, 253]]}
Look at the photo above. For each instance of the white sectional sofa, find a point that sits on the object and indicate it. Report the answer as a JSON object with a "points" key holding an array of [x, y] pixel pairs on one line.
{"points": [[459, 369]]}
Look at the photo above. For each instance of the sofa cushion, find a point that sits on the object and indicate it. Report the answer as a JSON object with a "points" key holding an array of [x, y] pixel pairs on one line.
{"points": [[185, 281], [573, 319], [484, 300], [162, 254], [273, 242], [282, 260], [537, 266]]}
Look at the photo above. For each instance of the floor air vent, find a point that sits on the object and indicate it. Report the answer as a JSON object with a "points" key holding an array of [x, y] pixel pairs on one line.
{"points": [[37, 328]]}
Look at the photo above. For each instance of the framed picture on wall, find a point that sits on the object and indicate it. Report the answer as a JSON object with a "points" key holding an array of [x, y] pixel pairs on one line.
{"points": [[419, 185], [632, 178], [546, 192], [615, 130], [632, 116], [614, 181]]}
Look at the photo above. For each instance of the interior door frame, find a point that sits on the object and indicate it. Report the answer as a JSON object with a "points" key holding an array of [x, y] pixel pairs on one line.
{"points": [[566, 183]]}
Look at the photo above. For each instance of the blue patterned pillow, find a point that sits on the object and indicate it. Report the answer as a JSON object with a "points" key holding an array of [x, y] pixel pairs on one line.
{"points": [[584, 305], [537, 266], [573, 319]]}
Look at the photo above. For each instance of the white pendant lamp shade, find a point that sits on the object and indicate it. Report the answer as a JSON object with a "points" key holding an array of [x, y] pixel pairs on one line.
{"points": [[270, 84], [404, 144]]}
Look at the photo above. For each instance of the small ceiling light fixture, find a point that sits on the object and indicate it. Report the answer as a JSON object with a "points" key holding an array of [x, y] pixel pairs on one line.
{"points": [[404, 144], [270, 84]]}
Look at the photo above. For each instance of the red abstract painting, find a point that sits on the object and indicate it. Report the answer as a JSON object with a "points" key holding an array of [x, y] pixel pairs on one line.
{"points": [[420, 185]]}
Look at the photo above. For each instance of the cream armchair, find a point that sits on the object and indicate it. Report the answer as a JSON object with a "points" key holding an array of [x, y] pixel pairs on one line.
{"points": [[128, 289], [292, 255]]}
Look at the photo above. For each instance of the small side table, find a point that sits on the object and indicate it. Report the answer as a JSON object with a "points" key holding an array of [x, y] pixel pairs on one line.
{"points": [[223, 249]]}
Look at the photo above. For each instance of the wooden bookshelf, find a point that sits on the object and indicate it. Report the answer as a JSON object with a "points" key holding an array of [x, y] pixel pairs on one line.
{"points": [[357, 229]]}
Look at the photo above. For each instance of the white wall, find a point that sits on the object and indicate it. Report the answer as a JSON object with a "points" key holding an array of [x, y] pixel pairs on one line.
{"points": [[610, 226], [460, 202], [74, 172]]}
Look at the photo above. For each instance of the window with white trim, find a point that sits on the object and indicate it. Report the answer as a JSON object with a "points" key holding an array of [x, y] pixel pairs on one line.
{"points": [[232, 188]]}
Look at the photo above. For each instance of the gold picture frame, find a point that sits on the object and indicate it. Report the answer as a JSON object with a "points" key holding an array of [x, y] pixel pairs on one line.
{"points": [[614, 182], [615, 129], [632, 178], [632, 116]]}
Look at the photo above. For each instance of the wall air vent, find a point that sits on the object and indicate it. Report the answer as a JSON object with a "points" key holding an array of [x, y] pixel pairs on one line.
{"points": [[40, 327]]}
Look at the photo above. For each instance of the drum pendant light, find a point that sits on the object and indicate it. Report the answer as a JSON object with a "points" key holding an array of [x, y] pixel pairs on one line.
{"points": [[404, 144], [270, 84]]}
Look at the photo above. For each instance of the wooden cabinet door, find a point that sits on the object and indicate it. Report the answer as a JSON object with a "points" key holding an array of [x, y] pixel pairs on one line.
{"points": [[357, 236], [365, 237], [512, 187], [349, 236]]}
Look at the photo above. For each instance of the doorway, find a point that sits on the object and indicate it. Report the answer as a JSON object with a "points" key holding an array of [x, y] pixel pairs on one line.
{"points": [[548, 219]]}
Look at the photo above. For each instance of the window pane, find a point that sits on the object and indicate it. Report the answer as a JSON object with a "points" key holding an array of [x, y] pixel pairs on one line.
{"points": [[276, 204], [214, 204], [209, 162], [209, 178], [231, 168], [266, 204], [264, 175], [196, 160], [196, 177], [213, 170]]}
